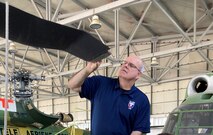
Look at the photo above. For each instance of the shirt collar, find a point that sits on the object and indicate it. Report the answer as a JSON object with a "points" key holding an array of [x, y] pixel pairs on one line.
{"points": [[127, 92]]}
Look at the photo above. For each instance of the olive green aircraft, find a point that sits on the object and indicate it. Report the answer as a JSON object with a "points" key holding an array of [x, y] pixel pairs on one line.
{"points": [[195, 114], [23, 118]]}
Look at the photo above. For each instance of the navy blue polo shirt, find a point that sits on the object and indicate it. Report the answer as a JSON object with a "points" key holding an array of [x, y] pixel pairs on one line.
{"points": [[115, 111]]}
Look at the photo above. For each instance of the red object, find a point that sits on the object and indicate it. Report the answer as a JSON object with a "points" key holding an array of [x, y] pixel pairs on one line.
{"points": [[3, 102]]}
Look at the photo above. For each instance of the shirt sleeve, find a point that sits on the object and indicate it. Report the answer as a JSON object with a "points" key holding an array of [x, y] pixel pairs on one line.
{"points": [[89, 87], [142, 120]]}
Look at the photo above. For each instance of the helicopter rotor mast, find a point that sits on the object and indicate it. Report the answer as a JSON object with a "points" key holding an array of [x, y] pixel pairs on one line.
{"points": [[22, 80]]}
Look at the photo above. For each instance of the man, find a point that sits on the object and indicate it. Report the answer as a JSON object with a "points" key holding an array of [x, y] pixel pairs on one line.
{"points": [[117, 106]]}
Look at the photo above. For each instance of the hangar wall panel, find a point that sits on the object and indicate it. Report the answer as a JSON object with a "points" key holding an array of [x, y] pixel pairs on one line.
{"points": [[78, 108], [60, 108], [60, 105], [146, 90], [45, 106]]}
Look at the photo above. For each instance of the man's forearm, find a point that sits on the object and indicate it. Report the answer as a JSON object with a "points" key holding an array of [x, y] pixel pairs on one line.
{"points": [[77, 80]]}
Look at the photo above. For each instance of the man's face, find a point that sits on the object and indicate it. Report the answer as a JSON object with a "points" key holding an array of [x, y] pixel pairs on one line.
{"points": [[130, 69]]}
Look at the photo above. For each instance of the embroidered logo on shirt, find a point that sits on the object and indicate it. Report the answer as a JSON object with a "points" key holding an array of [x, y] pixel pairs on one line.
{"points": [[131, 104]]}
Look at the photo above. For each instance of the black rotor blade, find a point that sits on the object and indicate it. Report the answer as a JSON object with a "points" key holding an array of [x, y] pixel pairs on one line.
{"points": [[30, 30]]}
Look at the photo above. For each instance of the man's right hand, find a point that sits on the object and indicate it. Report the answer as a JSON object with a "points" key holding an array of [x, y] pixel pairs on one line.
{"points": [[92, 66]]}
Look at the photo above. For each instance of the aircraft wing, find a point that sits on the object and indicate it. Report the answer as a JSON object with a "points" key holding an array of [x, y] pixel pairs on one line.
{"points": [[33, 31]]}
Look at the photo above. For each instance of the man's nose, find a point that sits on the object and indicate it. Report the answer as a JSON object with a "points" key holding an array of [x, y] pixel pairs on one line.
{"points": [[126, 65]]}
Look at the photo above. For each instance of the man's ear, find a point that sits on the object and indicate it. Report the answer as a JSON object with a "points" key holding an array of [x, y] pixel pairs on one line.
{"points": [[139, 75]]}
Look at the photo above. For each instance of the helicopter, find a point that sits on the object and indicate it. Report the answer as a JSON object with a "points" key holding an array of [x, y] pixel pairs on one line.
{"points": [[23, 118], [195, 114]]}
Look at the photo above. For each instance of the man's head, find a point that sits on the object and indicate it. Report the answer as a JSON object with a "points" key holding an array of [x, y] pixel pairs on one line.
{"points": [[132, 68]]}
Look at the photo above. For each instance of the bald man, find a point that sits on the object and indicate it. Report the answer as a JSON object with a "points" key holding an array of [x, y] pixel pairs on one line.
{"points": [[117, 106]]}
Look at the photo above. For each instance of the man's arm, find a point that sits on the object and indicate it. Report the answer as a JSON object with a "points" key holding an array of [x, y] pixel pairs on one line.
{"points": [[137, 133], [77, 80]]}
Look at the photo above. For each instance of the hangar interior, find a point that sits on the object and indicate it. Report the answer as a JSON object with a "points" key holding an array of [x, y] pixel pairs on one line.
{"points": [[175, 33]]}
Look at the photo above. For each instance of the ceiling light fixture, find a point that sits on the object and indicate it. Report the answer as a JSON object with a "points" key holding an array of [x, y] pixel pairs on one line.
{"points": [[12, 48], [95, 24], [154, 61], [154, 41]]}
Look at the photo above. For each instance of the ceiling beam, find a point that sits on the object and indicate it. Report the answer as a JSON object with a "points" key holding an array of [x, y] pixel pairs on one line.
{"points": [[106, 7], [102, 19], [166, 37], [172, 18], [136, 18], [158, 54], [176, 50]]}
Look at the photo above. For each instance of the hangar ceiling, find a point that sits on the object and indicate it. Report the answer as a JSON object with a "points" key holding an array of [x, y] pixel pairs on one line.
{"points": [[142, 27]]}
